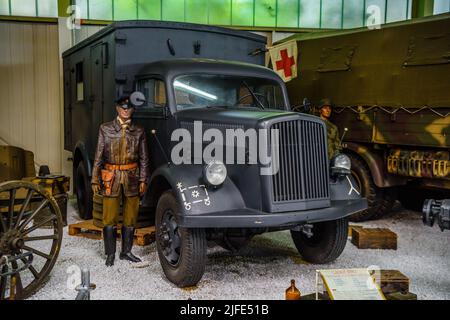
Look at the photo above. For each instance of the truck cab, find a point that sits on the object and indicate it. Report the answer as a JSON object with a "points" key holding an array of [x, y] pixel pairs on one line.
{"points": [[199, 198]]}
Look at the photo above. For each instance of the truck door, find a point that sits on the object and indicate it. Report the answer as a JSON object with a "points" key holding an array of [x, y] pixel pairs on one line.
{"points": [[96, 94], [152, 116]]}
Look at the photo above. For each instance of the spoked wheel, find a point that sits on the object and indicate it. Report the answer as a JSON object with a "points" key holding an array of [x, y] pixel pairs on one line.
{"points": [[30, 238]]}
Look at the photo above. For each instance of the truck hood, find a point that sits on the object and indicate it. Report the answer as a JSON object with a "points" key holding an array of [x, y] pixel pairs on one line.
{"points": [[247, 118]]}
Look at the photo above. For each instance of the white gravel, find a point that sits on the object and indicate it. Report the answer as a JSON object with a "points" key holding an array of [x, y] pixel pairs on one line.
{"points": [[261, 271]]}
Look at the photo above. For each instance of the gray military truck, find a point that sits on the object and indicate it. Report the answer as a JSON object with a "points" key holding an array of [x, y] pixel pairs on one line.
{"points": [[390, 89], [185, 80]]}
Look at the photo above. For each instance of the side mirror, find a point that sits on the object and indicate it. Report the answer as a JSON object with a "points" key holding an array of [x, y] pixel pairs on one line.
{"points": [[137, 99], [306, 105]]}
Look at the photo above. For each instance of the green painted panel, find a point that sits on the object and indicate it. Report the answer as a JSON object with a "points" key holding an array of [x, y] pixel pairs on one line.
{"points": [[220, 12], [149, 9], [197, 11], [4, 7], [173, 10], [265, 13], [353, 14], [125, 9], [332, 14], [287, 13], [48, 8], [100, 9], [242, 13], [23, 8], [309, 14]]}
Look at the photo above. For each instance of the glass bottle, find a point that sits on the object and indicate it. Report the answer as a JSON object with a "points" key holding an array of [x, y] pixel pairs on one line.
{"points": [[292, 293]]}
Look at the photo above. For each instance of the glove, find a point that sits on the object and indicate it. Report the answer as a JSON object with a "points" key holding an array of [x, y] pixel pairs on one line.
{"points": [[96, 188], [142, 188]]}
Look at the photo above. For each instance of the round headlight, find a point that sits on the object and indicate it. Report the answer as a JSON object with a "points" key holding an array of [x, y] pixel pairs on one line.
{"points": [[341, 164], [215, 173]]}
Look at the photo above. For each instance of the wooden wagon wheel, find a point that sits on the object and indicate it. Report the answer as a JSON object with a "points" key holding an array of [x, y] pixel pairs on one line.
{"points": [[30, 238]]}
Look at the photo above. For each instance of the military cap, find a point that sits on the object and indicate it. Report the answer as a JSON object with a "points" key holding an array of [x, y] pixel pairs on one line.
{"points": [[325, 102], [124, 102]]}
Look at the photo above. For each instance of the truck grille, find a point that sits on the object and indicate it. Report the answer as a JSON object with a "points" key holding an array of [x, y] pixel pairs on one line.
{"points": [[303, 173]]}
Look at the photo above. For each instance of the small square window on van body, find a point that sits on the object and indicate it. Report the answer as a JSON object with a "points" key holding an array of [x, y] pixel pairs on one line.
{"points": [[79, 76]]}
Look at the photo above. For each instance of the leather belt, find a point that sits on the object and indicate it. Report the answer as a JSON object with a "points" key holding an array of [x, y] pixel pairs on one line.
{"points": [[121, 167]]}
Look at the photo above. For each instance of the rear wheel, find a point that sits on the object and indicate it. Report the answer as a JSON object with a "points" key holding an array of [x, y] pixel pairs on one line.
{"points": [[181, 251], [369, 190], [388, 200], [83, 191], [327, 243]]}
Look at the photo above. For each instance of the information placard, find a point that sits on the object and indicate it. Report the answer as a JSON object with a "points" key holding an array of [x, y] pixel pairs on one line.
{"points": [[350, 284]]}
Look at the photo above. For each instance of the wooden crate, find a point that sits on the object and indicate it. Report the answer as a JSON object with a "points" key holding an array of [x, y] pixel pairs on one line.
{"points": [[392, 281], [374, 238], [87, 229], [53, 184], [351, 228], [401, 296]]}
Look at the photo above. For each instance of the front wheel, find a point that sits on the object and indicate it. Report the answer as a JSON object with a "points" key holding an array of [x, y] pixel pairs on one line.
{"points": [[327, 243], [181, 251]]}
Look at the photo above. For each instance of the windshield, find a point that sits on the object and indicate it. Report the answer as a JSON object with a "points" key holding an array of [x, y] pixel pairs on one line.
{"points": [[202, 91]]}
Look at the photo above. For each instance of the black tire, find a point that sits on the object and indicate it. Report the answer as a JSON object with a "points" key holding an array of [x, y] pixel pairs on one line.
{"points": [[83, 191], [188, 269], [387, 203], [327, 243], [369, 190]]}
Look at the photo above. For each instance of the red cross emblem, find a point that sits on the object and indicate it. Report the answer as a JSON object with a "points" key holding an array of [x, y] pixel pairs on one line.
{"points": [[285, 63]]}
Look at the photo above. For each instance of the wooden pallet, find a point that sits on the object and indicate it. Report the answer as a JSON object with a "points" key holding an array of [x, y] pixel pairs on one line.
{"points": [[392, 281], [87, 229], [374, 238]]}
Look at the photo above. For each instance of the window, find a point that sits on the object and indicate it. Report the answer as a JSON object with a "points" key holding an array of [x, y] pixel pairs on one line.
{"points": [[441, 6], [23, 8], [29, 8], [218, 91], [79, 75], [154, 91]]}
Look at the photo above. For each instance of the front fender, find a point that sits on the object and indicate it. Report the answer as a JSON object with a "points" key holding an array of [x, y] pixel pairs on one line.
{"points": [[195, 198], [344, 188], [376, 166]]}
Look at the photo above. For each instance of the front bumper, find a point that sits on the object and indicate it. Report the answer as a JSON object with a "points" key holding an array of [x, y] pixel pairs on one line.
{"points": [[249, 218]]}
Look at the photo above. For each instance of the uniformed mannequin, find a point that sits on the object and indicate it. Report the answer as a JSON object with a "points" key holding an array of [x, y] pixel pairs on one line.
{"points": [[334, 143], [120, 171]]}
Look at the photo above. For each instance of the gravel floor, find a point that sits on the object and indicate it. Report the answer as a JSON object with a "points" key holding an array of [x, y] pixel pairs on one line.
{"points": [[261, 271]]}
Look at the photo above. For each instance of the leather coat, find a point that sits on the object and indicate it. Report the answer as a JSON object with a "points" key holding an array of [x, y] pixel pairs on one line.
{"points": [[122, 146]]}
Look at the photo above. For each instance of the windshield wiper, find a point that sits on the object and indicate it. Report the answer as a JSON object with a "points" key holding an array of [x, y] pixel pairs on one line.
{"points": [[253, 95]]}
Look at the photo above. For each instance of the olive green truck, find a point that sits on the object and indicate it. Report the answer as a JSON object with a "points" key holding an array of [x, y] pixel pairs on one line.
{"points": [[391, 88]]}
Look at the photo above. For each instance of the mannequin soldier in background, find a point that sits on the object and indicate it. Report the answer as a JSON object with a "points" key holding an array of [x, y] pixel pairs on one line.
{"points": [[120, 171], [334, 144]]}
